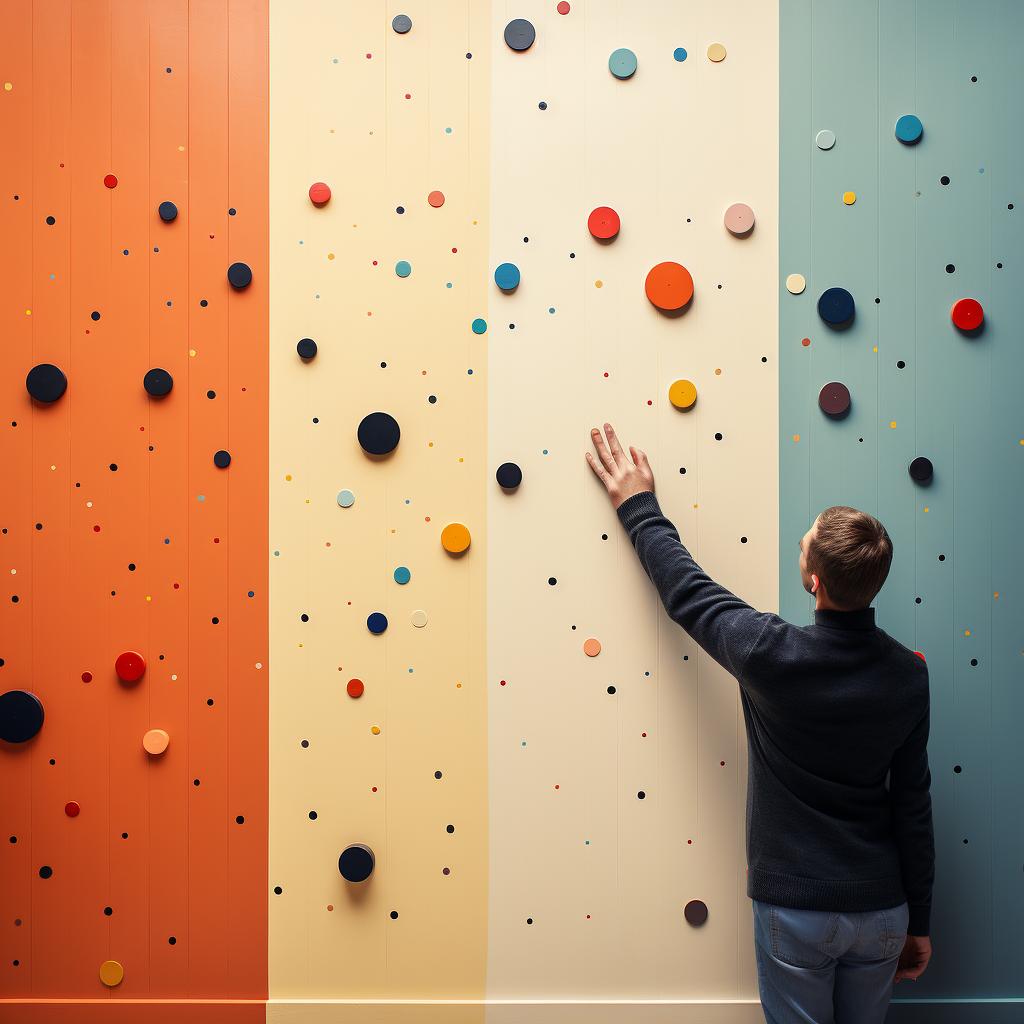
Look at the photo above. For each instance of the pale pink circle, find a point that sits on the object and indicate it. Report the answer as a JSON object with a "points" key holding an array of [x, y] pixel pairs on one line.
{"points": [[739, 219], [436, 198]]}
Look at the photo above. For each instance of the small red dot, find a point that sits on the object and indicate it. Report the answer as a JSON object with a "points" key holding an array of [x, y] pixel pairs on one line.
{"points": [[72, 809], [177, 586], [502, 682], [95, 529], [562, 7], [86, 677], [805, 342], [556, 785], [110, 180], [689, 842], [375, 263], [373, 789], [408, 96], [216, 540], [368, 56], [722, 763], [454, 250]]}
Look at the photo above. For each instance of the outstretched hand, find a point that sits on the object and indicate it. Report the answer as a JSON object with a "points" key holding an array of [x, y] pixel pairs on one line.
{"points": [[621, 477]]}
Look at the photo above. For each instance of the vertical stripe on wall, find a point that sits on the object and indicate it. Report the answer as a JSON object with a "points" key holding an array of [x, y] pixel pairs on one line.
{"points": [[383, 118], [119, 532]]}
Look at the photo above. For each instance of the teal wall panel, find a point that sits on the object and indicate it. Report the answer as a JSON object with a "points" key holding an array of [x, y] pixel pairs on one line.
{"points": [[855, 68]]}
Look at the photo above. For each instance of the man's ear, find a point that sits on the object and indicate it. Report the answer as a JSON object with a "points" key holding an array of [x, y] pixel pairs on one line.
{"points": [[814, 583]]}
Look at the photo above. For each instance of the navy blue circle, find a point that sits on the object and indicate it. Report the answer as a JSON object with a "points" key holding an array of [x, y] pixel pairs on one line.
{"points": [[836, 307], [376, 622], [222, 459], [21, 716], [306, 348], [509, 475], [157, 382], [46, 382], [356, 863], [167, 210], [401, 23], [378, 433], [239, 275], [921, 470], [519, 34]]}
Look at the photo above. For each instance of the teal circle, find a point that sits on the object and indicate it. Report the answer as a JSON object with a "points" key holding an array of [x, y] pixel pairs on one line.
{"points": [[909, 128], [403, 268], [346, 498], [402, 575], [622, 63], [479, 326], [506, 277], [679, 53]]}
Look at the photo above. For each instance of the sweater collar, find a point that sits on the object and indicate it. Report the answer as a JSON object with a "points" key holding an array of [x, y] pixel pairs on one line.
{"points": [[860, 618]]}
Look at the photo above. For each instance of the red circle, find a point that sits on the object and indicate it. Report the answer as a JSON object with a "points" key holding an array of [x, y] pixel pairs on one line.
{"points": [[86, 677], [967, 314], [110, 180], [355, 687], [436, 198], [71, 809], [603, 222], [130, 666], [319, 193], [920, 655], [563, 7]]}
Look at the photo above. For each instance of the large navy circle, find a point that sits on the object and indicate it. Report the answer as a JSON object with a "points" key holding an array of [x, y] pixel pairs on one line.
{"points": [[921, 470], [167, 210], [157, 382], [378, 433], [519, 34], [46, 382], [239, 275], [21, 716], [509, 475], [306, 348], [836, 307], [356, 862]]}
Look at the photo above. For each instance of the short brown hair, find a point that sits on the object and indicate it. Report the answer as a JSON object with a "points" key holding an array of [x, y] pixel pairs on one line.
{"points": [[851, 552]]}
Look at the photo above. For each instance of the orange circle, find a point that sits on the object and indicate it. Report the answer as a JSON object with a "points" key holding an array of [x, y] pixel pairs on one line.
{"points": [[455, 538], [669, 286], [682, 393], [155, 741], [111, 973], [436, 198], [355, 688], [592, 647]]}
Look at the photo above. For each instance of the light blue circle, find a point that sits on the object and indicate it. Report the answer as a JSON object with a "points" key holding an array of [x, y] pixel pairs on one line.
{"points": [[909, 128], [479, 326], [506, 277], [679, 53], [403, 268], [402, 575], [622, 63], [346, 498]]}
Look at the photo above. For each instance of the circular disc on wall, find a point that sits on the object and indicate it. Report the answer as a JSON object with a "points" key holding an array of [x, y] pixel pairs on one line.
{"points": [[669, 286], [519, 34]]}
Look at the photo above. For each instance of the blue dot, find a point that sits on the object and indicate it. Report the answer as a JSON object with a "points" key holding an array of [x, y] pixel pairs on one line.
{"points": [[506, 277], [679, 53], [402, 575], [376, 622], [448, 284], [403, 268], [622, 63], [447, 131], [479, 326], [252, 593], [551, 309], [909, 128]]}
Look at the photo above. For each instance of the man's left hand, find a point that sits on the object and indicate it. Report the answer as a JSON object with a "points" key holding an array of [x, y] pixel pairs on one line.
{"points": [[621, 477]]}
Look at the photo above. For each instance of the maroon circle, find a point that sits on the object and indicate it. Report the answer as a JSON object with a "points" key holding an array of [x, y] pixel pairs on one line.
{"points": [[696, 912], [834, 398], [72, 809]]}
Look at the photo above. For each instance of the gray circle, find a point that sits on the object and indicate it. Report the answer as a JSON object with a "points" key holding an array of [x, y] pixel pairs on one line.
{"points": [[825, 139], [401, 23], [519, 34]]}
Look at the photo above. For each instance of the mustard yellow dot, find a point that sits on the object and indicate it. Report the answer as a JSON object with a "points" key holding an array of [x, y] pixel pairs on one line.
{"points": [[716, 52], [287, 476], [849, 198], [718, 371], [592, 647], [875, 349], [375, 730], [192, 352], [682, 394], [28, 312], [996, 595], [599, 284], [111, 973], [967, 632], [149, 597], [181, 149], [927, 509], [796, 437], [892, 425], [8, 86], [330, 255]]}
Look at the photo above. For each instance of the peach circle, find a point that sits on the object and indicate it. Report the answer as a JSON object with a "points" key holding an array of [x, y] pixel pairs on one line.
{"points": [[739, 219], [436, 198], [155, 741], [592, 647]]}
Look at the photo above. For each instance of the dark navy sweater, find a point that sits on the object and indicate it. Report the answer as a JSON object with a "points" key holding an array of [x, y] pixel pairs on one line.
{"points": [[838, 808]]}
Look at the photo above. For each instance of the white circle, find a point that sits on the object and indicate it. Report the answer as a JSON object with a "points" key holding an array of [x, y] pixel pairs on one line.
{"points": [[825, 139], [796, 283], [419, 617]]}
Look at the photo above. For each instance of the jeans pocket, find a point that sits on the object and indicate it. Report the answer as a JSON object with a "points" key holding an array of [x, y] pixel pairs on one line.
{"points": [[802, 938], [895, 921]]}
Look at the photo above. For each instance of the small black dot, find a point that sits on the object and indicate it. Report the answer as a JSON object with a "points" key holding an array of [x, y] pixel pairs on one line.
{"points": [[45, 871], [764, 359], [231, 212], [394, 915], [999, 266], [52, 761], [278, 890], [944, 180], [917, 600], [641, 795], [542, 105], [469, 56], [1009, 206], [611, 689], [215, 620], [437, 775], [399, 209], [113, 467], [95, 314], [124, 835], [171, 940], [957, 769], [529, 920], [13, 839], [304, 617], [304, 743], [950, 268], [552, 580], [572, 255], [743, 540], [211, 394], [450, 829], [240, 819], [108, 911], [131, 567], [312, 815], [51, 220], [682, 470], [974, 78], [209, 702], [974, 661], [900, 364], [877, 300], [203, 303], [942, 558], [718, 437]]}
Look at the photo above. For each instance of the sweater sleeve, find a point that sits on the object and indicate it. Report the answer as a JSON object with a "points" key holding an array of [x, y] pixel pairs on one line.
{"points": [[722, 624], [911, 802]]}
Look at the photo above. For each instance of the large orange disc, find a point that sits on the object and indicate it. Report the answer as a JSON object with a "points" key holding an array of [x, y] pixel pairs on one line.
{"points": [[669, 286]]}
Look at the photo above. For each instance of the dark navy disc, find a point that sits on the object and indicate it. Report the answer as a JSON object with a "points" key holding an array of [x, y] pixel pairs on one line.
{"points": [[46, 382], [921, 470], [401, 23], [21, 716], [222, 459], [834, 399], [306, 348], [158, 382], [376, 622], [168, 211], [696, 912], [835, 307], [356, 862], [239, 275], [378, 433], [519, 34], [509, 475]]}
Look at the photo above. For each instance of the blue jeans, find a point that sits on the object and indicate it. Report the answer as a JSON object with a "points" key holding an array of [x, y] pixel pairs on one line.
{"points": [[826, 967]]}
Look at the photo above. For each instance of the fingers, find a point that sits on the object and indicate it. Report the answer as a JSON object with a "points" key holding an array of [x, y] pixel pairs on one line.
{"points": [[613, 441], [602, 450]]}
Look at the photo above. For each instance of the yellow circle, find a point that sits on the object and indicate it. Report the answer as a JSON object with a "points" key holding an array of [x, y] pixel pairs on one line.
{"points": [[455, 538], [8, 86], [682, 393], [849, 198], [155, 741], [111, 973], [796, 283], [716, 52]]}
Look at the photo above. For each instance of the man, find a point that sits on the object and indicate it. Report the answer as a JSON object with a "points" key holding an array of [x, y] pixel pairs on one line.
{"points": [[840, 850]]}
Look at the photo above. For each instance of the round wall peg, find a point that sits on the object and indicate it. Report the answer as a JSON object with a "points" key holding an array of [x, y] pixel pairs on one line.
{"points": [[920, 470], [155, 741], [669, 286], [967, 314], [306, 348], [130, 667], [46, 382], [455, 538], [519, 34], [834, 399], [168, 211], [21, 716], [509, 475], [836, 307], [239, 275], [356, 862], [157, 382], [696, 912], [378, 433]]}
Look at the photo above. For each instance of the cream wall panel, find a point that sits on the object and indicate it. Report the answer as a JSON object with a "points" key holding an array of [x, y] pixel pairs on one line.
{"points": [[341, 117], [669, 149]]}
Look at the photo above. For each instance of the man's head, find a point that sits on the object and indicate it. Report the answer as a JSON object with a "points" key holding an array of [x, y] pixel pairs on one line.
{"points": [[845, 558]]}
